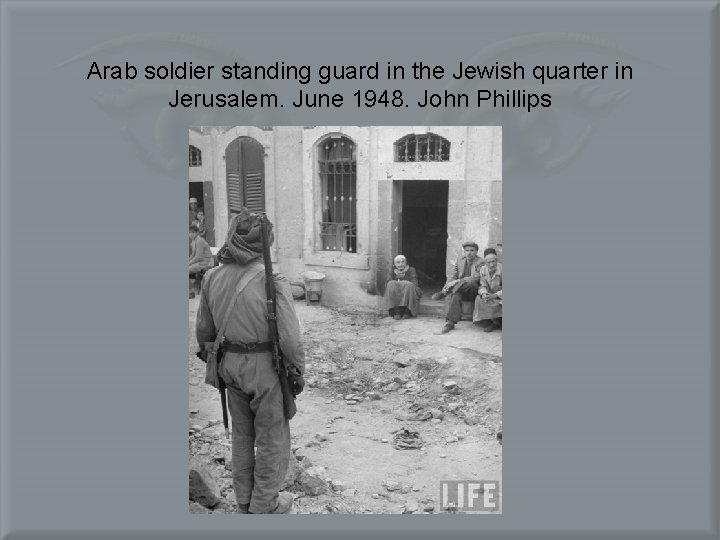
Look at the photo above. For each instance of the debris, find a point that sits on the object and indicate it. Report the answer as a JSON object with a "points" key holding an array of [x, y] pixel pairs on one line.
{"points": [[321, 437], [410, 507], [472, 420], [406, 439], [449, 385], [202, 489], [402, 360], [383, 440], [336, 485], [391, 485], [312, 481], [373, 395]]}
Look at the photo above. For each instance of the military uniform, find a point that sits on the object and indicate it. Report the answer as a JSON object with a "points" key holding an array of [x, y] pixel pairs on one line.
{"points": [[254, 396]]}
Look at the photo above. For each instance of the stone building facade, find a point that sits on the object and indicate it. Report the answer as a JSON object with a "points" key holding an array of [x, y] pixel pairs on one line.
{"points": [[346, 199]]}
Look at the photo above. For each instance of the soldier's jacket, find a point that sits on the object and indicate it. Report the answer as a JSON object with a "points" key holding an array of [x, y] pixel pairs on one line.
{"points": [[247, 322]]}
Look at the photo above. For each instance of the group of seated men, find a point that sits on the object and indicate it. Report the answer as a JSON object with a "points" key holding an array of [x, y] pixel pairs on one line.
{"points": [[474, 279]]}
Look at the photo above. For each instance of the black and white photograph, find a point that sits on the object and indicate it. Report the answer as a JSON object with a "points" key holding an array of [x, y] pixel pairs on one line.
{"points": [[345, 319]]}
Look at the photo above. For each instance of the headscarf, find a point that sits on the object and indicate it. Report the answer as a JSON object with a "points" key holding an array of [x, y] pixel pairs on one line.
{"points": [[398, 272], [243, 243]]}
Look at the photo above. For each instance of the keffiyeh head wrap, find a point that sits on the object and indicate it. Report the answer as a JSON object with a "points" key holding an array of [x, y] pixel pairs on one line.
{"points": [[243, 243]]}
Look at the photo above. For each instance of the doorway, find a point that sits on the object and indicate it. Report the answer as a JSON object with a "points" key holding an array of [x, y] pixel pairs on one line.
{"points": [[422, 229], [202, 191]]}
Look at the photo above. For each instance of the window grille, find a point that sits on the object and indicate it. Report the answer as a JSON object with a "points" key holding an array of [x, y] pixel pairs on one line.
{"points": [[427, 147], [195, 157], [337, 166]]}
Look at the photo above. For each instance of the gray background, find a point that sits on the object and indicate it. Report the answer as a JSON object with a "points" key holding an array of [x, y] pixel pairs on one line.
{"points": [[610, 249]]}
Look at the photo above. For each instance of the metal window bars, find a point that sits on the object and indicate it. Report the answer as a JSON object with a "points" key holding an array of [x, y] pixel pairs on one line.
{"points": [[338, 183], [427, 147], [195, 157]]}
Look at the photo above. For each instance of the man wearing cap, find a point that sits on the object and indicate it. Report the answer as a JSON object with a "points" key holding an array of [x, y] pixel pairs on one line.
{"points": [[254, 396], [193, 209], [462, 284]]}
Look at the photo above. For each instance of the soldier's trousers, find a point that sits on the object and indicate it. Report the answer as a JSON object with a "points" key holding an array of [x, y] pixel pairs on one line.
{"points": [[256, 407]]}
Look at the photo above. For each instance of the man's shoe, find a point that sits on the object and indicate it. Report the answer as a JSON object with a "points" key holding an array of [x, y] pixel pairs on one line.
{"points": [[438, 296], [285, 503], [448, 326]]}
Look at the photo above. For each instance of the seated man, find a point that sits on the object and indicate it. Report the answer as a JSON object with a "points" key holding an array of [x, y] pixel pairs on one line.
{"points": [[462, 284], [201, 258], [488, 304]]}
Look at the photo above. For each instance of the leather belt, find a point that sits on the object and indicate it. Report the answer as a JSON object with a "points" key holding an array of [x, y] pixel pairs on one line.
{"points": [[247, 348]]}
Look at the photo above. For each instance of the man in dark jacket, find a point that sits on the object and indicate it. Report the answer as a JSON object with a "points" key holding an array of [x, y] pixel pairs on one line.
{"points": [[254, 396]]}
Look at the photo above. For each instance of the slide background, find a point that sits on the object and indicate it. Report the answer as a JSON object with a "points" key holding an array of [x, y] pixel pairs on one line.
{"points": [[609, 249]]}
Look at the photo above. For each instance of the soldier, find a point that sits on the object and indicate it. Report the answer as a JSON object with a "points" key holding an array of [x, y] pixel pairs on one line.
{"points": [[254, 396]]}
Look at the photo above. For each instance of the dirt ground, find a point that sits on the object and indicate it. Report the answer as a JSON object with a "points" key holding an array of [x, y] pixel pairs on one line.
{"points": [[369, 376]]}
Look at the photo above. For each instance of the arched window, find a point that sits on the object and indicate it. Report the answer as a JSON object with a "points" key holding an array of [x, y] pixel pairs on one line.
{"points": [[425, 147], [337, 166], [195, 157]]}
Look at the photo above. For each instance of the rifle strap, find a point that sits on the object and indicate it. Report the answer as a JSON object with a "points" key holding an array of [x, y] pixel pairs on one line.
{"points": [[211, 376]]}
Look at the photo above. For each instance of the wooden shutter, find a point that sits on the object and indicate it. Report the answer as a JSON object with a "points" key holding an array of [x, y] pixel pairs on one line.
{"points": [[245, 176]]}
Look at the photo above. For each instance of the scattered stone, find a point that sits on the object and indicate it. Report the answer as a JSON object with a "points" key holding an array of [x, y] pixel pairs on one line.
{"points": [[391, 485], [472, 420], [415, 488], [321, 437], [429, 508], [373, 395], [449, 385], [350, 492], [452, 407], [436, 420], [336, 485], [443, 455], [312, 481], [202, 489], [351, 402], [383, 440], [196, 428], [195, 411], [452, 439], [405, 489], [311, 443], [437, 413], [399, 381], [410, 507], [375, 496], [402, 360], [499, 436]]}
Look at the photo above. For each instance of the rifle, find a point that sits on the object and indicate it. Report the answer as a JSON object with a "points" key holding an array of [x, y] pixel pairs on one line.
{"points": [[289, 407]]}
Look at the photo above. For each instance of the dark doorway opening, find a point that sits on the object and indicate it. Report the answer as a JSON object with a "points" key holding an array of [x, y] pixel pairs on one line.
{"points": [[423, 230]]}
